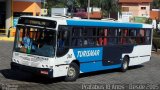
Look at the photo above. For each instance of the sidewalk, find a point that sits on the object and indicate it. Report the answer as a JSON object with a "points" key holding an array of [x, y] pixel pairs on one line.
{"points": [[5, 38]]}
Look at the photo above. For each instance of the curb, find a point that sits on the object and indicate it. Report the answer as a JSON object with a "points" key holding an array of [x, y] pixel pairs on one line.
{"points": [[7, 39]]}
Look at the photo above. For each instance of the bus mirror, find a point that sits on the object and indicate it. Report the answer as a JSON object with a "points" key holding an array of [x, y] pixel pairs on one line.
{"points": [[9, 31]]}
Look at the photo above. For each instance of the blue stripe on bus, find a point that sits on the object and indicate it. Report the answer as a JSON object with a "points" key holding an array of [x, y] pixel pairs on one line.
{"points": [[89, 67], [100, 23], [87, 56]]}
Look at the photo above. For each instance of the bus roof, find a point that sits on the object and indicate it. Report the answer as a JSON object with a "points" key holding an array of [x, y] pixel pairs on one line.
{"points": [[86, 22]]}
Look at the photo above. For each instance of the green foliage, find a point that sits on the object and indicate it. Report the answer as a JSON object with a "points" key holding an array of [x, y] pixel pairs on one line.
{"points": [[148, 21], [108, 6], [155, 34], [140, 19], [155, 4], [82, 3], [157, 41], [156, 38]]}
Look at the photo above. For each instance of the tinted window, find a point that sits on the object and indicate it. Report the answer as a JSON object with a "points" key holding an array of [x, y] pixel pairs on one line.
{"points": [[63, 40]]}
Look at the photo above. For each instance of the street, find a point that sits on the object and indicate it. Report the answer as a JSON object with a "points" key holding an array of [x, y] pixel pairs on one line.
{"points": [[148, 73]]}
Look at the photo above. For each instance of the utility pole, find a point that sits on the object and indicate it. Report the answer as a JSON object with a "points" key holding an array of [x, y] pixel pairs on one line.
{"points": [[70, 3], [44, 4], [88, 9]]}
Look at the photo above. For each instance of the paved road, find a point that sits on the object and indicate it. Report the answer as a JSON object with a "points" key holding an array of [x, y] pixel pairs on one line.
{"points": [[148, 73]]}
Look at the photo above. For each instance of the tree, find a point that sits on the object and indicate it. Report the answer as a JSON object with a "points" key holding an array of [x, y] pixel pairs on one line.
{"points": [[82, 3], [109, 6], [155, 4]]}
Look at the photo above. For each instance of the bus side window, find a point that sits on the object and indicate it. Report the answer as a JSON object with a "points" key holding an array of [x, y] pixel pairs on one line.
{"points": [[132, 36], [100, 39], [140, 36], [105, 40], [148, 36], [124, 34], [62, 42], [86, 33], [112, 36], [77, 33]]}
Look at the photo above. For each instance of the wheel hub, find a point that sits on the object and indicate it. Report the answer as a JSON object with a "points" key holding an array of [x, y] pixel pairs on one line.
{"points": [[71, 72], [125, 65]]}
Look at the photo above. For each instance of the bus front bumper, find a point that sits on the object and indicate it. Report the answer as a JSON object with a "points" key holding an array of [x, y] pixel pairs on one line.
{"points": [[38, 71]]}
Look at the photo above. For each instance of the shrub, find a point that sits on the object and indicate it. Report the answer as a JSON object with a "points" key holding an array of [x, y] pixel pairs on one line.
{"points": [[157, 42], [156, 38]]}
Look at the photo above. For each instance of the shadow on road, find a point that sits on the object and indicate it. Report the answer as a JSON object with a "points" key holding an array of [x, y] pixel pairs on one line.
{"points": [[135, 67], [28, 77]]}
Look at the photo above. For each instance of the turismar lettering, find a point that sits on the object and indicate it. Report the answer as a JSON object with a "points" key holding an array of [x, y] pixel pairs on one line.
{"points": [[88, 53]]}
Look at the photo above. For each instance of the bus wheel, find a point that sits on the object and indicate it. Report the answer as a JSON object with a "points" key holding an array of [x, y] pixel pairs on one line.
{"points": [[125, 64], [73, 72]]}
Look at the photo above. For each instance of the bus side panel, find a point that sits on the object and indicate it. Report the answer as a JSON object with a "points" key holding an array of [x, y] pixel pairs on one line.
{"points": [[62, 63], [113, 54], [91, 59], [140, 54]]}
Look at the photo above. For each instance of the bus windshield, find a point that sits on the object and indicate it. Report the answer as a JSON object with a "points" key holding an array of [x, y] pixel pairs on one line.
{"points": [[35, 40]]}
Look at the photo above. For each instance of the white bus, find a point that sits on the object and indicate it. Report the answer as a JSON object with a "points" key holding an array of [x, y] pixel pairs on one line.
{"points": [[57, 47]]}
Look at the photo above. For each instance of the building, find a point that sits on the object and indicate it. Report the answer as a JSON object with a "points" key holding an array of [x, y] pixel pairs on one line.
{"points": [[10, 10], [140, 8], [94, 13], [155, 14]]}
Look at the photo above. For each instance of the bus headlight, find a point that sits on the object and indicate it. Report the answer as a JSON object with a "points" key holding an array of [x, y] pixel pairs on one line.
{"points": [[43, 66], [14, 60], [46, 66], [17, 61]]}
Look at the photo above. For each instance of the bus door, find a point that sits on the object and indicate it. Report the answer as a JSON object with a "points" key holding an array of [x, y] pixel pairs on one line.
{"points": [[111, 51], [63, 39]]}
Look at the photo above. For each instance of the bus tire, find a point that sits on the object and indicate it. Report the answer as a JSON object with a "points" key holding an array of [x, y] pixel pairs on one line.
{"points": [[124, 65], [73, 72]]}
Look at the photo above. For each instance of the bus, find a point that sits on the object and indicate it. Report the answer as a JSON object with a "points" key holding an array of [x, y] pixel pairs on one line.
{"points": [[56, 47]]}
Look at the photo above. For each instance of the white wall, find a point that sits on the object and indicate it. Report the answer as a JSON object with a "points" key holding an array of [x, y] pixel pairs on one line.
{"points": [[58, 11], [146, 11]]}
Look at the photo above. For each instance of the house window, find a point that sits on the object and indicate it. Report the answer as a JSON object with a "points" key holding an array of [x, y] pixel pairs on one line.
{"points": [[125, 9], [143, 8]]}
